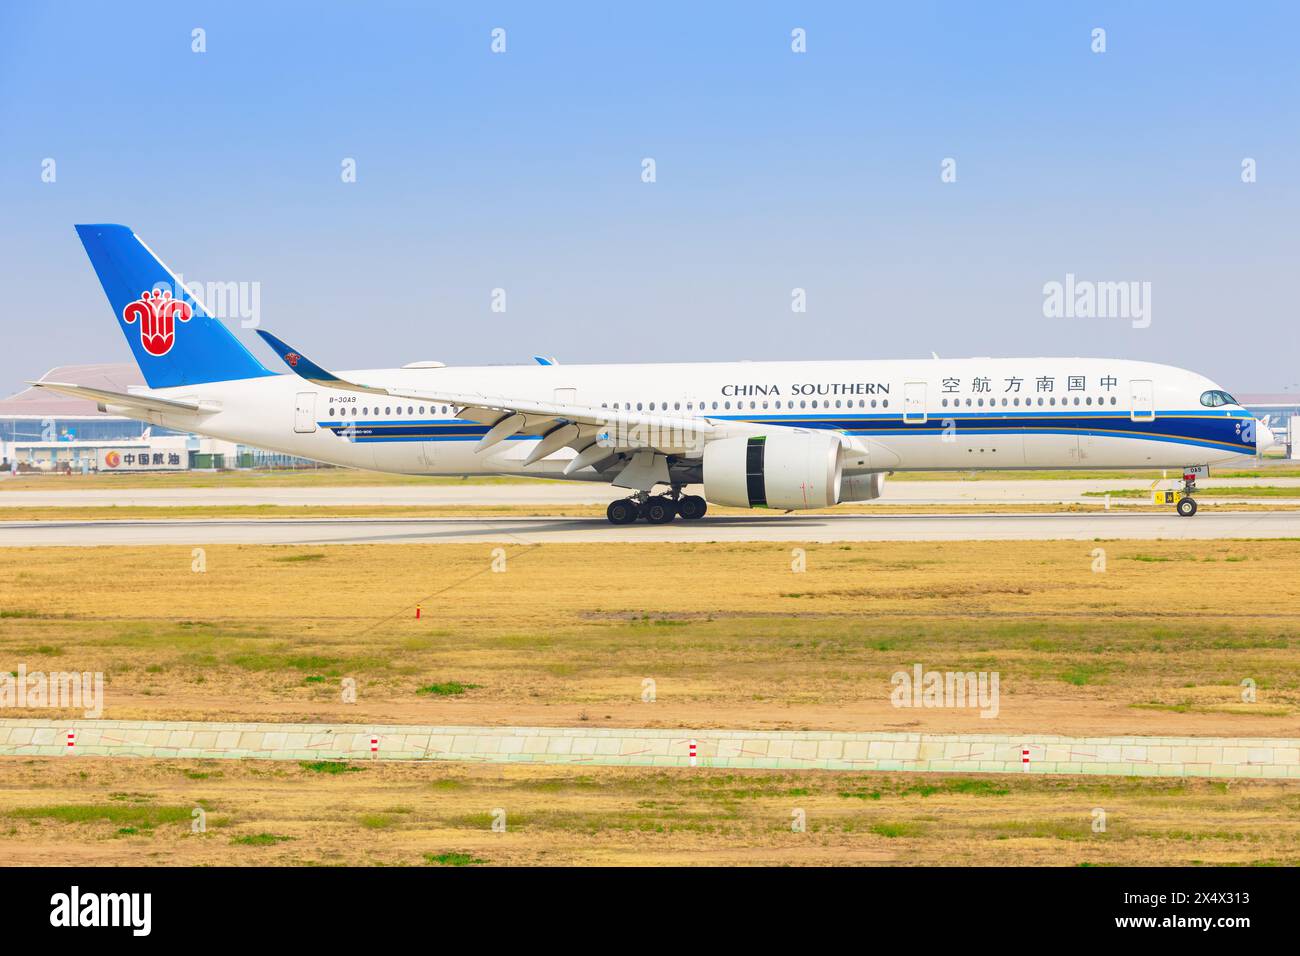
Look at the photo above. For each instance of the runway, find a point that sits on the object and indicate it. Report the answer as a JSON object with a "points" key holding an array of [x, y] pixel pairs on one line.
{"points": [[525, 530], [1230, 757]]}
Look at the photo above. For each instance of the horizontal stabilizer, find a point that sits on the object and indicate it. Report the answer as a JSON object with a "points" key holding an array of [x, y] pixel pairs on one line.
{"points": [[105, 397]]}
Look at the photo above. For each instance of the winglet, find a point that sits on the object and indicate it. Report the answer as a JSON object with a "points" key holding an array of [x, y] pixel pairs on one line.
{"points": [[302, 366], [298, 363]]}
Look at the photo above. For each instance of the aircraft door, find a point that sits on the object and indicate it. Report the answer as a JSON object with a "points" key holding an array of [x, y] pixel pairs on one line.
{"points": [[304, 413], [914, 412], [1142, 393]]}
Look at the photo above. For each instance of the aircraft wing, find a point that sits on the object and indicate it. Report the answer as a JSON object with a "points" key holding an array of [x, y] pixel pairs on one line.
{"points": [[597, 434], [103, 396]]}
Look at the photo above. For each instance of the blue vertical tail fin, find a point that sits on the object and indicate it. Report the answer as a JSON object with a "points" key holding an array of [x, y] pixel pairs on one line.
{"points": [[174, 339]]}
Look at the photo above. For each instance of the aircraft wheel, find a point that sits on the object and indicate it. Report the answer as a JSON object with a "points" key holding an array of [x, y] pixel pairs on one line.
{"points": [[659, 510], [622, 511], [692, 507], [1186, 507]]}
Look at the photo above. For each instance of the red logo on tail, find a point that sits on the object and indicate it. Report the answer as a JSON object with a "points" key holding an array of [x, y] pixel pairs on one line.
{"points": [[292, 359], [158, 313]]}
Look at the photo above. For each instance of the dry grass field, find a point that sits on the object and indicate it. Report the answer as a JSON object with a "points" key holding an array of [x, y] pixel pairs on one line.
{"points": [[108, 812], [1157, 643]]}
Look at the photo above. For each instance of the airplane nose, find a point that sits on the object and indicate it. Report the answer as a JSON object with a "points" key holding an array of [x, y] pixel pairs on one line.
{"points": [[1264, 438]]}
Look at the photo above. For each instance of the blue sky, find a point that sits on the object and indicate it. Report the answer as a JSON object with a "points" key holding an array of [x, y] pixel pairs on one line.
{"points": [[775, 171]]}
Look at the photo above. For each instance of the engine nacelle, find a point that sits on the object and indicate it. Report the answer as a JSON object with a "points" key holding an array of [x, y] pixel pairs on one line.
{"points": [[791, 471], [862, 487]]}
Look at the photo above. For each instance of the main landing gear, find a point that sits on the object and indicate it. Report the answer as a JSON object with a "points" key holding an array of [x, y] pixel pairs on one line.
{"points": [[656, 509], [623, 511]]}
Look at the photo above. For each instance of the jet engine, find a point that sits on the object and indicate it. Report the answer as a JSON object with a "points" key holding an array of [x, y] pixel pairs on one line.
{"points": [[790, 471]]}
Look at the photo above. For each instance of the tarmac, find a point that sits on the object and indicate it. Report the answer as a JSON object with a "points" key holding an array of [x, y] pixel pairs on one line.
{"points": [[822, 528]]}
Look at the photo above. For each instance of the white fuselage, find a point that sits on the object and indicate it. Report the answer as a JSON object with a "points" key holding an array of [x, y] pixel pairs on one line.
{"points": [[912, 415]]}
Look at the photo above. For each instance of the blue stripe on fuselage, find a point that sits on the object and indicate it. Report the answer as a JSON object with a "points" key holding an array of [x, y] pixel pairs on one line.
{"points": [[1185, 427]]}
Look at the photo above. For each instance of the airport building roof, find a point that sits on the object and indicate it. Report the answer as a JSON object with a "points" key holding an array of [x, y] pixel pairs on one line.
{"points": [[1284, 399]]}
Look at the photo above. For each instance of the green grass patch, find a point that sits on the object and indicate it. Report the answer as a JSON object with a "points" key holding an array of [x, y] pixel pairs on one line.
{"points": [[139, 817], [328, 766], [895, 830], [450, 688], [259, 839], [275, 662], [451, 859]]}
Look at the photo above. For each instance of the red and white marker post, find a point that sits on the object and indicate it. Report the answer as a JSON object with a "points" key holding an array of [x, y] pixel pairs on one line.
{"points": [[72, 739], [692, 753], [374, 746], [1024, 755]]}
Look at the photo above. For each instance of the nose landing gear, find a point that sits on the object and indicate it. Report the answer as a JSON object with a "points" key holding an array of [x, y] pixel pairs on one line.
{"points": [[1186, 503]]}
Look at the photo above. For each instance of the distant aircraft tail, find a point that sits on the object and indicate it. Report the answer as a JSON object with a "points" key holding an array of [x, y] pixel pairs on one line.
{"points": [[175, 340]]}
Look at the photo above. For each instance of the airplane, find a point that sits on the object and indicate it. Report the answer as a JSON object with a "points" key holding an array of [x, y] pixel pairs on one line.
{"points": [[786, 435]]}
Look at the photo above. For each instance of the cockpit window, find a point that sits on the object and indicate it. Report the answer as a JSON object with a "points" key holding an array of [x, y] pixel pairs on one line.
{"points": [[1216, 397]]}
